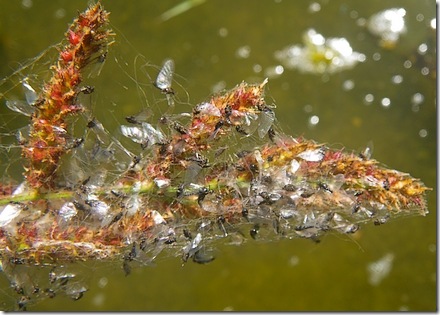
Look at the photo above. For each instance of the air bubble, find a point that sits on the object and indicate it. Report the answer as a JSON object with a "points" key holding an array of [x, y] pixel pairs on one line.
{"points": [[314, 7], [425, 70], [243, 52], [308, 108], [417, 99], [433, 23], [102, 282], [407, 64], [354, 14], [27, 4], [257, 68], [368, 99], [376, 56], [60, 13], [385, 102], [223, 32], [422, 49], [348, 85], [274, 71], [314, 120], [420, 17], [397, 79], [293, 261], [423, 133]]}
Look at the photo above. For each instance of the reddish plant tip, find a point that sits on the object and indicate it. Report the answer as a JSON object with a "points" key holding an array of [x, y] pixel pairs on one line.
{"points": [[87, 36], [74, 38], [66, 56]]}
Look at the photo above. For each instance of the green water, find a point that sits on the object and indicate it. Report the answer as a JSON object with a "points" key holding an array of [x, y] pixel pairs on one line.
{"points": [[291, 275]]}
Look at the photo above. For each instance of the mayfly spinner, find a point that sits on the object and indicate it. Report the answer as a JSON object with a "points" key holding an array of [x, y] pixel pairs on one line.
{"points": [[164, 80]]}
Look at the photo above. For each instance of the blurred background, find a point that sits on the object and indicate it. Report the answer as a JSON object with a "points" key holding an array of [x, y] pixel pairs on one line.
{"points": [[387, 99]]}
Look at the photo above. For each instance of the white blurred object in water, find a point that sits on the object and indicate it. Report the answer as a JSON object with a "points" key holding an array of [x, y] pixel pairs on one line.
{"points": [[388, 25], [380, 269], [320, 55]]}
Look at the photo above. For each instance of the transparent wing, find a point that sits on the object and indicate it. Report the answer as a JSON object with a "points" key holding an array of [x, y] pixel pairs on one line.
{"points": [[165, 76]]}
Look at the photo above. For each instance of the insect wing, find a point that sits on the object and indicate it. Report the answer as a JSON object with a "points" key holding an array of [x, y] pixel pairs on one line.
{"points": [[29, 93], [265, 121], [165, 77], [136, 134], [21, 107]]}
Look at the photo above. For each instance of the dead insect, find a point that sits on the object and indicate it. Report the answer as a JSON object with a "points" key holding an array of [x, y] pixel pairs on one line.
{"points": [[131, 254], [290, 187], [271, 134], [203, 191], [77, 142], [135, 161], [117, 218], [126, 267], [50, 293], [254, 231], [356, 207], [173, 124], [245, 213], [132, 120], [221, 224], [180, 190], [202, 257], [382, 220], [386, 184], [22, 302], [187, 234], [325, 187], [241, 130], [87, 89], [201, 160]]}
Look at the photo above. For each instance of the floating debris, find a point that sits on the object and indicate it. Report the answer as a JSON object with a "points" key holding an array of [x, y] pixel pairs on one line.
{"points": [[319, 55], [389, 25]]}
